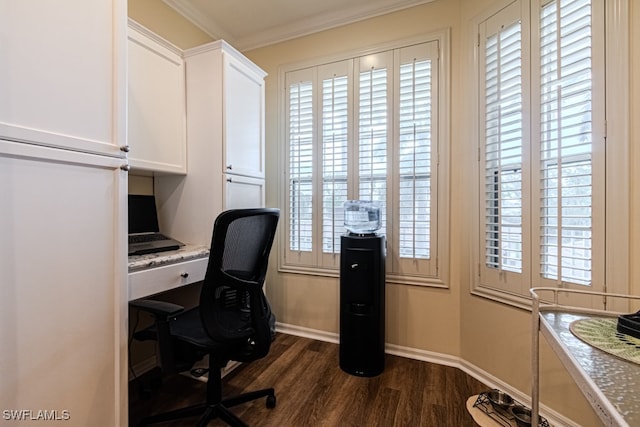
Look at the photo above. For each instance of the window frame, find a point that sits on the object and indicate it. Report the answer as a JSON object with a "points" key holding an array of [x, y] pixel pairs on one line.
{"points": [[286, 263], [613, 248]]}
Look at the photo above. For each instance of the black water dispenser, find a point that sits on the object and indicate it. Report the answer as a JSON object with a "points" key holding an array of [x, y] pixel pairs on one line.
{"points": [[362, 304]]}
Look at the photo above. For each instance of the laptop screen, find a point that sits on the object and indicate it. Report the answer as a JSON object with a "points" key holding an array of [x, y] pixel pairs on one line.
{"points": [[143, 217]]}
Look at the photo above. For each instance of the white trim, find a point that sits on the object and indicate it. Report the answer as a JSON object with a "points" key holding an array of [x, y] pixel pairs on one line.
{"points": [[295, 28], [139, 28], [442, 35], [314, 334], [200, 20], [225, 48], [618, 157], [322, 22]]}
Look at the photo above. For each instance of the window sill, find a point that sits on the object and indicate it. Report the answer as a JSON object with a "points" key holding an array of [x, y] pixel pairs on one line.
{"points": [[512, 300], [430, 282]]}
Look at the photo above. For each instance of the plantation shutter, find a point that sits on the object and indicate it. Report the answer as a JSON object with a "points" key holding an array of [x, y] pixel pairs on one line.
{"points": [[366, 128], [503, 149], [335, 134], [567, 167], [416, 154], [300, 129], [503, 172], [373, 129], [415, 158]]}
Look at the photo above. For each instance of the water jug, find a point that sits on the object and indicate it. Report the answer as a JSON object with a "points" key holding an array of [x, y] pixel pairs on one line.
{"points": [[362, 216]]}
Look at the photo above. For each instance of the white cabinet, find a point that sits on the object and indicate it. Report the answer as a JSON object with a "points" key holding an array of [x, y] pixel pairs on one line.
{"points": [[63, 289], [243, 192], [156, 103], [63, 295], [63, 73], [225, 129]]}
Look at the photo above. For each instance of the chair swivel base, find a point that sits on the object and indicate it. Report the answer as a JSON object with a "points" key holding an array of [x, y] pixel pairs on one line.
{"points": [[215, 410]]}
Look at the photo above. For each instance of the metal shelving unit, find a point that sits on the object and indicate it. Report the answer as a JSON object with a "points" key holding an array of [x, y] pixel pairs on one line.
{"points": [[610, 384]]}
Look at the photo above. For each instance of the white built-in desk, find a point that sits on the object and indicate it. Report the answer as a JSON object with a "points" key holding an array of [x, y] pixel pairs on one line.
{"points": [[151, 274]]}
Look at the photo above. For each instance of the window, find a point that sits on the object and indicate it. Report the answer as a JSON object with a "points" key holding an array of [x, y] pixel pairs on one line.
{"points": [[542, 147], [569, 141], [503, 137], [367, 128]]}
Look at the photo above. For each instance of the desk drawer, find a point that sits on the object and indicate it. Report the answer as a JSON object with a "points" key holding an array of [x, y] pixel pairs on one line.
{"points": [[151, 281]]}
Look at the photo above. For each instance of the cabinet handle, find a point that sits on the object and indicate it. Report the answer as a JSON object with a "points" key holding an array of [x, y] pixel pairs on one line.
{"points": [[184, 275], [229, 167], [125, 148], [125, 167], [229, 180]]}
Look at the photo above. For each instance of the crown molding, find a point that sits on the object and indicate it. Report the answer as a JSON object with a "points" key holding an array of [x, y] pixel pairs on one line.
{"points": [[323, 22], [200, 20], [295, 29]]}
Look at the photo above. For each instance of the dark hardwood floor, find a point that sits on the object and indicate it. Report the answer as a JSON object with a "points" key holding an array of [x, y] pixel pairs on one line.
{"points": [[312, 390]]}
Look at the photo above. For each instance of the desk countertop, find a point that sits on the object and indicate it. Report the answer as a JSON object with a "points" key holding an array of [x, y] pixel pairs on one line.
{"points": [[185, 253]]}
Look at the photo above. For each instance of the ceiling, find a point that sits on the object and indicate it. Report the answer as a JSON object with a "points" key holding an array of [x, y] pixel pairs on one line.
{"points": [[249, 24]]}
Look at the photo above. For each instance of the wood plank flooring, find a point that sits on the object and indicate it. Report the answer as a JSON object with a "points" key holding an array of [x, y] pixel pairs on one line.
{"points": [[312, 390]]}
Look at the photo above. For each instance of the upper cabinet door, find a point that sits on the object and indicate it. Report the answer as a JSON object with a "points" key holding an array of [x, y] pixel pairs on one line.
{"points": [[156, 103], [243, 117], [63, 74]]}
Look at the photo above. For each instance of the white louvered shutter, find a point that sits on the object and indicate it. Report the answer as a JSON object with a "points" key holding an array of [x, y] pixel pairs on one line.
{"points": [[334, 150], [415, 161], [300, 166], [504, 174], [503, 150], [373, 130], [366, 128], [568, 168]]}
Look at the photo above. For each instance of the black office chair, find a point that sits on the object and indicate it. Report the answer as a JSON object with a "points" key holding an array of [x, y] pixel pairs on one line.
{"points": [[233, 320]]}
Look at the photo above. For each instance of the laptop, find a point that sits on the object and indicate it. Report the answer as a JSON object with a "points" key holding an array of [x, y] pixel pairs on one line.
{"points": [[144, 232]]}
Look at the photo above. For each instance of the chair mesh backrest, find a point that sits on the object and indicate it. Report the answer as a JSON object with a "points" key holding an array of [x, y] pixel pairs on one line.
{"points": [[245, 245], [232, 304]]}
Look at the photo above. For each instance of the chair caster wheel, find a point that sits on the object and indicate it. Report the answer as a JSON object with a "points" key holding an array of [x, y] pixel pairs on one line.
{"points": [[271, 402]]}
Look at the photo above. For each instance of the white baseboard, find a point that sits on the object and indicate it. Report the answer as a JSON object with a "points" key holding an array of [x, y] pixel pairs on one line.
{"points": [[300, 331], [553, 417]]}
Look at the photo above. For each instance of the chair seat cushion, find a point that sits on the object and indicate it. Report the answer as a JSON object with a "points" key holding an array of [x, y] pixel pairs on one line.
{"points": [[188, 327]]}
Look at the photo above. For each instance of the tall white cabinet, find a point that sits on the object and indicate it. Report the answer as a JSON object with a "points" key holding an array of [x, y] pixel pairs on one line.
{"points": [[62, 212], [225, 143]]}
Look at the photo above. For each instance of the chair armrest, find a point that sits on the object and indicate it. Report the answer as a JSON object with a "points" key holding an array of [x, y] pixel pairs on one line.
{"points": [[163, 313], [160, 309]]}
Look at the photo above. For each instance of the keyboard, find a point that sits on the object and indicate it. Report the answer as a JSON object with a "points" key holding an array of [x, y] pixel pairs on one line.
{"points": [[145, 238]]}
